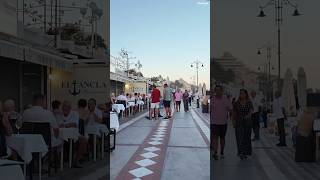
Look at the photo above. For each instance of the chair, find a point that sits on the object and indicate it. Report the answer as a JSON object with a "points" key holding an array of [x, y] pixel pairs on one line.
{"points": [[81, 126], [3, 144], [114, 133], [45, 130]]}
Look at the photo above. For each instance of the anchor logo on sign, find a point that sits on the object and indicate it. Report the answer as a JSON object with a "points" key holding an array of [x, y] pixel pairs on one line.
{"points": [[75, 91]]}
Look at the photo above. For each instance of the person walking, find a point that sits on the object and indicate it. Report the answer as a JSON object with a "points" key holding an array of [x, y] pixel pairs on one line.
{"points": [[190, 98], [167, 98], [178, 97], [255, 115], [221, 106], [155, 102], [279, 114], [185, 98], [242, 121]]}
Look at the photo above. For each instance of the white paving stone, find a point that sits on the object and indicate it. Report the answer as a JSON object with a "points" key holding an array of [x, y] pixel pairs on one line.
{"points": [[145, 162], [152, 149], [154, 142], [158, 135], [140, 172], [149, 155], [157, 139]]}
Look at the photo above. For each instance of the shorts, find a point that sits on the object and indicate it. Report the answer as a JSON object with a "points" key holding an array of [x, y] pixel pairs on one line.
{"points": [[155, 105], [178, 102], [166, 104], [219, 130]]}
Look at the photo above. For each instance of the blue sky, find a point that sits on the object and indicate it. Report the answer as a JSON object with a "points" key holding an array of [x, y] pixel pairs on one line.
{"points": [[165, 35], [237, 29]]}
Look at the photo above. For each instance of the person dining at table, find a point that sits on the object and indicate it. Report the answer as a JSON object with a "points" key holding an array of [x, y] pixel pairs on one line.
{"points": [[122, 99], [38, 114], [70, 119], [5, 125], [9, 107], [95, 115], [56, 110], [113, 98]]}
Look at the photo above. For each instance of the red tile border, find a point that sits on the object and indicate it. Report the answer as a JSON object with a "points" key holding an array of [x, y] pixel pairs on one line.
{"points": [[156, 168]]}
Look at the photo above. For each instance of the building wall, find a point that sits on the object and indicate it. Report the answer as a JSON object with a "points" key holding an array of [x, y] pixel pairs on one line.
{"points": [[86, 81]]}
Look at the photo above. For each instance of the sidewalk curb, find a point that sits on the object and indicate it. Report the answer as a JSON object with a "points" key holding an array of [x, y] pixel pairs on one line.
{"points": [[203, 128]]}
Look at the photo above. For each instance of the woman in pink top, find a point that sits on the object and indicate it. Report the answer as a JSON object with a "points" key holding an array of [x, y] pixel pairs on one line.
{"points": [[178, 96]]}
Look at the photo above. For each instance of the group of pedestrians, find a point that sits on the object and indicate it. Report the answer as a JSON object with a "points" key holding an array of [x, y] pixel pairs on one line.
{"points": [[168, 97], [245, 114]]}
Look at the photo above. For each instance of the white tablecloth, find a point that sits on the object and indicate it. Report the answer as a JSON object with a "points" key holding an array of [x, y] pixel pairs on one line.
{"points": [[12, 172], [114, 121], [69, 133], [26, 144], [5, 162], [96, 129], [118, 107], [130, 103], [140, 102]]}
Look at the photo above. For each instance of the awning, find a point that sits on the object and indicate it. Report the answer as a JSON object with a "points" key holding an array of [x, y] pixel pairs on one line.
{"points": [[11, 50], [47, 59]]}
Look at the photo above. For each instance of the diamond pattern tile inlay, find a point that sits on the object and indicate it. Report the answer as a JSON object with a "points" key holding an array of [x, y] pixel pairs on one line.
{"points": [[145, 162], [149, 155], [154, 142], [157, 139], [152, 149], [140, 172]]}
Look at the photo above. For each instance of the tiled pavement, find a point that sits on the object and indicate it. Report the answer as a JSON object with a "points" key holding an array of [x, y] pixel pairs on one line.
{"points": [[269, 162], [163, 149]]}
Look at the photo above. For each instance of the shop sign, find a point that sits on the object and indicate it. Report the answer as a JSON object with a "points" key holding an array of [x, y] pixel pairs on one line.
{"points": [[77, 87]]}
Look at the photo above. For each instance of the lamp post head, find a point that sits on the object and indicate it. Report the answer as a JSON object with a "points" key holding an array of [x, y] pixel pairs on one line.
{"points": [[259, 52], [261, 14], [296, 13]]}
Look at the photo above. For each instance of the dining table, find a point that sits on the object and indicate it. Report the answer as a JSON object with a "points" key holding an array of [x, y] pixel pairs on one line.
{"points": [[97, 130], [11, 170], [25, 145], [71, 135]]}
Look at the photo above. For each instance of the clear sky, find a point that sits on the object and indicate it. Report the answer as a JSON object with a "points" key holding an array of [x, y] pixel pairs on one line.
{"points": [[239, 31], [165, 35]]}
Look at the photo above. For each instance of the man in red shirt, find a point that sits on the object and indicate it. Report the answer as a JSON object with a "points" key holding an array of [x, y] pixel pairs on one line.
{"points": [[155, 102]]}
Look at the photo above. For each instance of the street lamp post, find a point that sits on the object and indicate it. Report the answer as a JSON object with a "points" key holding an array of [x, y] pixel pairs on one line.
{"points": [[279, 5], [268, 47], [196, 64]]}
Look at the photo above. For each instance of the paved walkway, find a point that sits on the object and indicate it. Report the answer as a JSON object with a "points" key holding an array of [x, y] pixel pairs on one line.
{"points": [[163, 149], [269, 162]]}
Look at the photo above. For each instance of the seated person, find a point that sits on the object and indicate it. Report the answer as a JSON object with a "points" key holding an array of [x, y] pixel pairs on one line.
{"points": [[38, 114], [70, 119], [95, 115]]}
